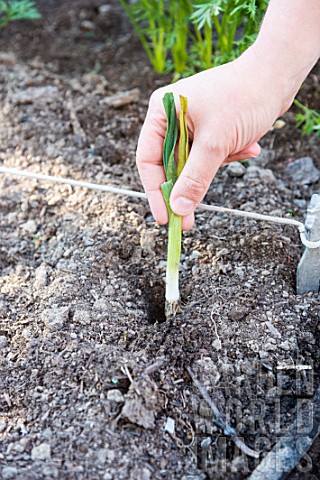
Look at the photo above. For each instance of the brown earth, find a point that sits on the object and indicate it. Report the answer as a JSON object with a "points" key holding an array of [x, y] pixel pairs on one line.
{"points": [[89, 370]]}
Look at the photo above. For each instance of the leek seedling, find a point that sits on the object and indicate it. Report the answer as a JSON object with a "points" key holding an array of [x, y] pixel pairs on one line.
{"points": [[172, 171]]}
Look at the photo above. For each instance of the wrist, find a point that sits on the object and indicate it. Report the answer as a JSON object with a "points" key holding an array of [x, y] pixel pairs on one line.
{"points": [[288, 44]]}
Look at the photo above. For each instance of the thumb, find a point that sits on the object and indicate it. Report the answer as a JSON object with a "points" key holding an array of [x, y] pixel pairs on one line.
{"points": [[192, 185]]}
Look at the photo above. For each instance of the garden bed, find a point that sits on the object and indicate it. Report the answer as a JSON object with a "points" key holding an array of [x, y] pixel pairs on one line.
{"points": [[89, 370]]}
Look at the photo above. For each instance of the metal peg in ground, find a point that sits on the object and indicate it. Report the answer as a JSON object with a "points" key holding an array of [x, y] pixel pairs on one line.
{"points": [[308, 273]]}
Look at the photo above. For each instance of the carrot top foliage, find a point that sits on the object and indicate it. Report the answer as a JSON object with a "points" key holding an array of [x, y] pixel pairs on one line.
{"points": [[179, 36], [11, 10]]}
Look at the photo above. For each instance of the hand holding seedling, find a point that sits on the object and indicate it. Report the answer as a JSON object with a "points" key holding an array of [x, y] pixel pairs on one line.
{"points": [[231, 107]]}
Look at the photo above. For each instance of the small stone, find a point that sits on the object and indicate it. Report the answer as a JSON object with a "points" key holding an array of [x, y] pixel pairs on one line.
{"points": [[279, 124], [263, 354], [238, 313], [101, 304], [269, 346], [3, 341], [303, 171], [147, 242], [30, 226], [46, 94], [54, 319], [121, 99], [41, 452], [88, 242], [41, 279], [170, 426], [8, 59], [109, 291], [87, 26], [104, 9], [262, 174], [83, 317], [235, 169], [300, 203], [50, 471], [273, 330], [285, 345], [145, 474], [9, 473], [195, 254], [265, 273], [52, 151], [216, 344], [161, 265], [267, 176], [115, 396], [3, 426], [3, 310], [266, 156], [222, 253]]}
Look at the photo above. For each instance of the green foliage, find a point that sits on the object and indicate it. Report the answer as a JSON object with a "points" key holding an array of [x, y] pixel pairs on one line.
{"points": [[308, 120], [11, 10], [162, 26], [235, 23], [185, 36]]}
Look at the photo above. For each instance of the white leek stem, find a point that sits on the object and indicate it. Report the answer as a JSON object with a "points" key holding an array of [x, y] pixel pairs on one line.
{"points": [[173, 259]]}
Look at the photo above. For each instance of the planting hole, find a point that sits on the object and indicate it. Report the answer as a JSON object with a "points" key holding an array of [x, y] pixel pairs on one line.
{"points": [[155, 302]]}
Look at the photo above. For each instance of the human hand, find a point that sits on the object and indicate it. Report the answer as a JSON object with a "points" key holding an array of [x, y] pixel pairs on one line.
{"points": [[230, 108]]}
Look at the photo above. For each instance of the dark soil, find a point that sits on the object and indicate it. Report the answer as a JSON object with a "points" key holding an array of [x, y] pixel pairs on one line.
{"points": [[90, 371]]}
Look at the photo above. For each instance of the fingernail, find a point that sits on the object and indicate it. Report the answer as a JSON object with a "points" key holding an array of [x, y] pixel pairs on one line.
{"points": [[182, 206]]}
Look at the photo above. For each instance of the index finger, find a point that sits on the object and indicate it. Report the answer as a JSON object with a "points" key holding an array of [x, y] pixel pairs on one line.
{"points": [[149, 162]]}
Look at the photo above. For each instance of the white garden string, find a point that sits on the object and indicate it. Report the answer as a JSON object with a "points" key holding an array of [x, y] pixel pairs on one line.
{"points": [[132, 193]]}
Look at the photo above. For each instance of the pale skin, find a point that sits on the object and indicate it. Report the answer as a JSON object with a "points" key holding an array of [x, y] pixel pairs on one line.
{"points": [[231, 107]]}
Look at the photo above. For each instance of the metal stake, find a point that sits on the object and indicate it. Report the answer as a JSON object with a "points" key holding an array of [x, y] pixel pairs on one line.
{"points": [[308, 272]]}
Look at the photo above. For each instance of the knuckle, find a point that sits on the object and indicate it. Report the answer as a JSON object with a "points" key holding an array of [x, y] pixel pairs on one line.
{"points": [[156, 98], [195, 187]]}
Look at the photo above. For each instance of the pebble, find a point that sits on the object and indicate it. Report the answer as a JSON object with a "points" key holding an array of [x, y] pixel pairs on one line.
{"points": [[45, 94], [285, 345], [121, 99], [9, 473], [195, 254], [104, 9], [269, 346], [3, 342], [303, 171], [265, 273], [101, 304], [300, 203], [273, 330], [266, 156], [30, 226], [3, 426], [8, 59], [50, 471], [221, 253], [54, 319], [109, 291], [236, 169], [147, 241], [83, 317], [239, 313], [87, 26], [115, 396], [41, 452], [41, 279]]}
